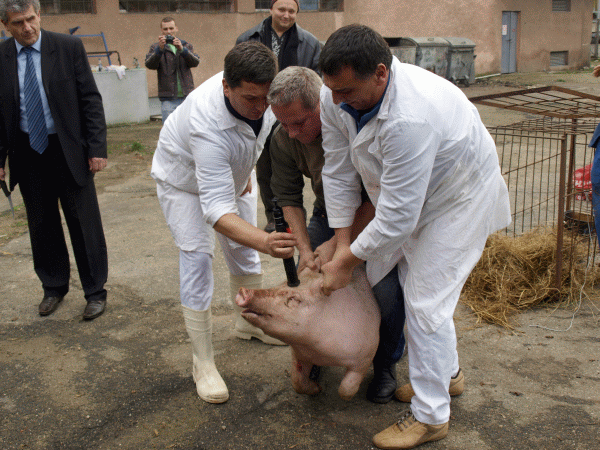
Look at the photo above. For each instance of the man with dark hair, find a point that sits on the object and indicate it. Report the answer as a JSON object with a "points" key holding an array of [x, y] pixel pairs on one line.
{"points": [[297, 152], [172, 59], [293, 46], [53, 132], [203, 167], [431, 169]]}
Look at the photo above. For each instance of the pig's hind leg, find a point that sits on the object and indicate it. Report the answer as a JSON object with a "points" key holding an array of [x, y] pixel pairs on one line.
{"points": [[350, 384], [301, 377]]}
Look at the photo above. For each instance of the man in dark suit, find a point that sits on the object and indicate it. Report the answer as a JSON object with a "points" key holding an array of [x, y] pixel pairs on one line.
{"points": [[53, 132]]}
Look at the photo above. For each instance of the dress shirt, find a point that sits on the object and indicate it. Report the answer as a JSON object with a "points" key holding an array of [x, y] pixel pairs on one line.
{"points": [[37, 62]]}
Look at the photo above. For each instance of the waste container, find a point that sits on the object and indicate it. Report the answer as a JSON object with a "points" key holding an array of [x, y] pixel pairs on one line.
{"points": [[431, 53], [125, 100], [405, 53], [461, 60]]}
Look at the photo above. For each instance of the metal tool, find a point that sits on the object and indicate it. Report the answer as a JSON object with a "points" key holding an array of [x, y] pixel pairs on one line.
{"points": [[7, 193], [289, 263]]}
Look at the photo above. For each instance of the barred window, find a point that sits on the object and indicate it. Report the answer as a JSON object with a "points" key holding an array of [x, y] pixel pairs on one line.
{"points": [[163, 6], [559, 58], [307, 5], [66, 6], [561, 5]]}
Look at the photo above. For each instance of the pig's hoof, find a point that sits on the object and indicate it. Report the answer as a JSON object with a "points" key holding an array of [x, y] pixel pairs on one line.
{"points": [[347, 393], [308, 389]]}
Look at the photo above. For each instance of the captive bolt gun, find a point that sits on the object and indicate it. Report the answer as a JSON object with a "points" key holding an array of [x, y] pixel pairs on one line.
{"points": [[289, 264]]}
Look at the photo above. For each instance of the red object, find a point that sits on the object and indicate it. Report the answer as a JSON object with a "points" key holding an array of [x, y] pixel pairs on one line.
{"points": [[583, 183]]}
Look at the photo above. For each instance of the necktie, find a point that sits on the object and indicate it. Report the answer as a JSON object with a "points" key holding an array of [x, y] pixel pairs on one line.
{"points": [[38, 133]]}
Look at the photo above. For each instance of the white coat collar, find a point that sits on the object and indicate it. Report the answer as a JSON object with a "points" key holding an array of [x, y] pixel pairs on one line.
{"points": [[369, 130]]}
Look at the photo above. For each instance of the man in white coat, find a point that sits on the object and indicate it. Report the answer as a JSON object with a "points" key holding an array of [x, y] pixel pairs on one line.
{"points": [[204, 169], [431, 169]]}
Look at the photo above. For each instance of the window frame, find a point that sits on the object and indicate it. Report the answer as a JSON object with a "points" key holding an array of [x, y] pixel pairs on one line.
{"points": [[557, 5], [222, 6], [338, 8]]}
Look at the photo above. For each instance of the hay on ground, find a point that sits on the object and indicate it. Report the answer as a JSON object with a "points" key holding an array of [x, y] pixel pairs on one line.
{"points": [[518, 273]]}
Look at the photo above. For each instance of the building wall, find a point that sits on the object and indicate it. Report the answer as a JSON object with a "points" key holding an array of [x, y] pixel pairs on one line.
{"points": [[540, 30]]}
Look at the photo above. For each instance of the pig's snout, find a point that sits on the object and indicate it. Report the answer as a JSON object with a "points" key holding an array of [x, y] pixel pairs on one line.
{"points": [[242, 299]]}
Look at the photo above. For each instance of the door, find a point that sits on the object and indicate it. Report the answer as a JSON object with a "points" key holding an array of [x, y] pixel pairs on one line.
{"points": [[509, 41]]}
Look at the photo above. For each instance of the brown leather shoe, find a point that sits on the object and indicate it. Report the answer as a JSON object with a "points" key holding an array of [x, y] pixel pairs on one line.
{"points": [[93, 309], [408, 432], [457, 386], [49, 304]]}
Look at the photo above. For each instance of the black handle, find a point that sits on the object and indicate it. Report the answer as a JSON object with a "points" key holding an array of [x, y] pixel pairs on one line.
{"points": [[289, 264]]}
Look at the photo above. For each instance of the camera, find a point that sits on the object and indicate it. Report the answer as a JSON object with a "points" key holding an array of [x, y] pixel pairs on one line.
{"points": [[169, 39]]}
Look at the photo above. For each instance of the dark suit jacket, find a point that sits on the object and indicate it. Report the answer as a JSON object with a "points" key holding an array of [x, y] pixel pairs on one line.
{"points": [[73, 98]]}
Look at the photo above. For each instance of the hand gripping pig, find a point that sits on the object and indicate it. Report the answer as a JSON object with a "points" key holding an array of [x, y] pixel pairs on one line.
{"points": [[339, 330]]}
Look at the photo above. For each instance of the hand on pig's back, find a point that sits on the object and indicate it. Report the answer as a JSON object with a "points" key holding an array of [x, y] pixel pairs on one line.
{"points": [[335, 277]]}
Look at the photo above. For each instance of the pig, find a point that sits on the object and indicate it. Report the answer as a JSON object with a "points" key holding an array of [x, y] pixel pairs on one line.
{"points": [[339, 330]]}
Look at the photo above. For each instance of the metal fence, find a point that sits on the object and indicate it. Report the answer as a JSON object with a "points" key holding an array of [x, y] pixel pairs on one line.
{"points": [[546, 163]]}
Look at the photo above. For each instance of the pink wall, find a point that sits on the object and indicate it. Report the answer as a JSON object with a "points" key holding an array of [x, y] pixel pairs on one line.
{"points": [[540, 30]]}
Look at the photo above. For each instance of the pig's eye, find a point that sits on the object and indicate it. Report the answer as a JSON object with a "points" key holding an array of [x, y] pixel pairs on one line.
{"points": [[292, 301]]}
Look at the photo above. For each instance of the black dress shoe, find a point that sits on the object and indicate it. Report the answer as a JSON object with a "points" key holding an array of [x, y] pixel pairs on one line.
{"points": [[93, 309], [383, 386], [49, 304]]}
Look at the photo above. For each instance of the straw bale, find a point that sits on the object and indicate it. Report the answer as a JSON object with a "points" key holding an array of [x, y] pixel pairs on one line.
{"points": [[518, 273]]}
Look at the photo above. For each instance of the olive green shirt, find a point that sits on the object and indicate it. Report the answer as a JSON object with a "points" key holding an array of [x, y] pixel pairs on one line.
{"points": [[291, 161]]}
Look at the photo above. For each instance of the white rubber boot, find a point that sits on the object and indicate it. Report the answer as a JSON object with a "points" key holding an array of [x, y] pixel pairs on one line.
{"points": [[242, 328], [209, 384]]}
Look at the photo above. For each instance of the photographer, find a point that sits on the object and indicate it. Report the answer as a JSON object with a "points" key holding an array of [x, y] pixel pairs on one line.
{"points": [[172, 58]]}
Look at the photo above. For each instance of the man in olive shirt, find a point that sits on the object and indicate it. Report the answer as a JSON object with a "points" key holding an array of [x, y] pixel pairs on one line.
{"points": [[297, 152]]}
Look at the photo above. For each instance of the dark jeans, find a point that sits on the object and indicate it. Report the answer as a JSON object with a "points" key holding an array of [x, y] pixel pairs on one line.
{"points": [[595, 179], [390, 298], [318, 228]]}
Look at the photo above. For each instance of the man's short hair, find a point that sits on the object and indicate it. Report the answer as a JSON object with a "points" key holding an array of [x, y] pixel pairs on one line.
{"points": [[356, 46], [295, 83], [20, 6], [251, 62], [167, 19]]}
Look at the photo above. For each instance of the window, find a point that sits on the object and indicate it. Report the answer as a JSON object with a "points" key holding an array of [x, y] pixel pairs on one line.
{"points": [[164, 6], [558, 58], [561, 5], [66, 6], [307, 5]]}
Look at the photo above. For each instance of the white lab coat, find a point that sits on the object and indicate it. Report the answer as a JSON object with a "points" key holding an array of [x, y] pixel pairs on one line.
{"points": [[204, 150], [431, 169]]}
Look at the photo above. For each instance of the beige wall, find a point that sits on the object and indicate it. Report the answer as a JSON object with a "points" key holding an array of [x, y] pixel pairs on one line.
{"points": [[540, 30]]}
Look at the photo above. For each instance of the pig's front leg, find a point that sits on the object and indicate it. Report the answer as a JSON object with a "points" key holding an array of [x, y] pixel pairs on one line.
{"points": [[350, 384], [300, 376]]}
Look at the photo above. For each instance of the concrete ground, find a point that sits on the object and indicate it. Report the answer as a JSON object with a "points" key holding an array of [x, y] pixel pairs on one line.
{"points": [[124, 379]]}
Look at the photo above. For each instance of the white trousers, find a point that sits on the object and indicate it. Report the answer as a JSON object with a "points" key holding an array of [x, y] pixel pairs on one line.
{"points": [[195, 240], [432, 361], [438, 261]]}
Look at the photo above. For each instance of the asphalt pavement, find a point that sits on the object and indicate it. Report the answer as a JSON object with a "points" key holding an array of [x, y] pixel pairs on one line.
{"points": [[124, 380]]}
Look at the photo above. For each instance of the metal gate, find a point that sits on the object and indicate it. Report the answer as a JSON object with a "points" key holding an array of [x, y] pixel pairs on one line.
{"points": [[546, 164]]}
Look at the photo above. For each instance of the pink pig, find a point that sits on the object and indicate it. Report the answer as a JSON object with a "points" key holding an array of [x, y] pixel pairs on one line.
{"points": [[339, 330]]}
